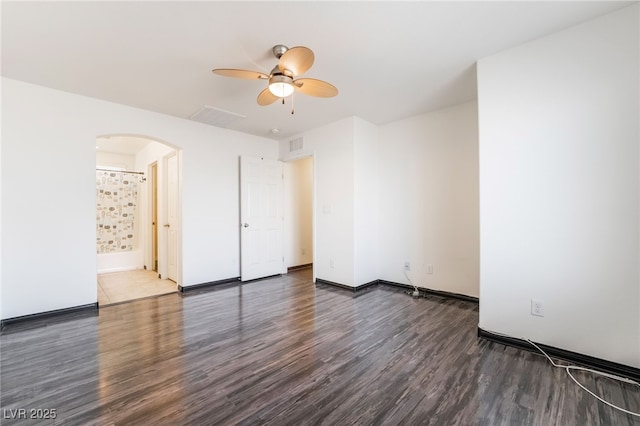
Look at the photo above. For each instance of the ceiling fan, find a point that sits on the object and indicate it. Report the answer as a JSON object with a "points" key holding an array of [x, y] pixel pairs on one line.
{"points": [[292, 62]]}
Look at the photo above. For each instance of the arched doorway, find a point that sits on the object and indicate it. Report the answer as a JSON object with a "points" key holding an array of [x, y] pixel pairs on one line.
{"points": [[138, 218]]}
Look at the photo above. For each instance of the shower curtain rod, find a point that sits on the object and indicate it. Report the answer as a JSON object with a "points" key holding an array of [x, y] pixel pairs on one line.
{"points": [[119, 171]]}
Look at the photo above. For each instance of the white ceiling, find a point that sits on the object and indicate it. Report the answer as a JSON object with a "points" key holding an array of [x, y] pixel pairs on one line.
{"points": [[389, 60]]}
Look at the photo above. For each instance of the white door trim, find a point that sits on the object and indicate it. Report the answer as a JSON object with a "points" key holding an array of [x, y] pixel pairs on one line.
{"points": [[163, 219]]}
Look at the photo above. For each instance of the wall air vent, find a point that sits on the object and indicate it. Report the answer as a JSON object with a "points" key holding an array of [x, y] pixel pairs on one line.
{"points": [[296, 144], [215, 116]]}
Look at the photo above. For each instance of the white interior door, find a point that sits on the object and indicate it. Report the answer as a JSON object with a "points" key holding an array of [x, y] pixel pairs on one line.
{"points": [[172, 217], [261, 220]]}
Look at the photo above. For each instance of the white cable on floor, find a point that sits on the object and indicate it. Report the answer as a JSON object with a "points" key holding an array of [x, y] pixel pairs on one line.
{"points": [[409, 279], [568, 369]]}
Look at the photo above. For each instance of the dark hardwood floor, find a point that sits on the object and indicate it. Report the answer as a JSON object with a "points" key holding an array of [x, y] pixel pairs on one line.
{"points": [[285, 352]]}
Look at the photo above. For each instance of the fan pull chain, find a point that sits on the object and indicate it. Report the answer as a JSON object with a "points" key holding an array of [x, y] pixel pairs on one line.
{"points": [[292, 110]]}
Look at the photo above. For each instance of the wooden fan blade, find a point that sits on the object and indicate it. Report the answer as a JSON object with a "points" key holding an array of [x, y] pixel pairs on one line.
{"points": [[266, 97], [297, 60], [250, 75], [313, 87]]}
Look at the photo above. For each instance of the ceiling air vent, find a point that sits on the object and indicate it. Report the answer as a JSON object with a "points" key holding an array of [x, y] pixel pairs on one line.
{"points": [[295, 144], [215, 116]]}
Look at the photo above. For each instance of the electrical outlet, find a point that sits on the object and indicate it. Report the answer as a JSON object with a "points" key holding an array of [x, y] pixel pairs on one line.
{"points": [[537, 308], [304, 252], [332, 264], [407, 266], [429, 269]]}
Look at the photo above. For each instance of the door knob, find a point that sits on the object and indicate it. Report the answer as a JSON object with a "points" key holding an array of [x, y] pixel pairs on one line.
{"points": [[166, 225], [246, 225]]}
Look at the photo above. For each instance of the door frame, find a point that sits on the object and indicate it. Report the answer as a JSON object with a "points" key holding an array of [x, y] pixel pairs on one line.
{"points": [[153, 214], [163, 241]]}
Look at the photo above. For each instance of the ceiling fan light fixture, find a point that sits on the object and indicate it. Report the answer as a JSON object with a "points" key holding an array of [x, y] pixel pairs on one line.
{"points": [[284, 78], [281, 86]]}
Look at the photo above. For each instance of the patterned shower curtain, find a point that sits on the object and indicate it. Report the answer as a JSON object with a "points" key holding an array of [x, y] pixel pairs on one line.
{"points": [[116, 196]]}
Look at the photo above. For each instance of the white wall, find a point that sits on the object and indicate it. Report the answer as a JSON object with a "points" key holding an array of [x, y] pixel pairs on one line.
{"points": [[366, 192], [113, 159], [429, 199], [404, 191], [48, 218], [559, 188], [298, 212], [332, 148], [1, 194]]}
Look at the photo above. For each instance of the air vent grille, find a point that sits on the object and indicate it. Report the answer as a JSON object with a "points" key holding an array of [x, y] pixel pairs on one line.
{"points": [[296, 144], [215, 116]]}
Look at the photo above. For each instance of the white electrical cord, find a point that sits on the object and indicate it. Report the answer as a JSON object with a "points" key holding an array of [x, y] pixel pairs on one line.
{"points": [[409, 279], [568, 369]]}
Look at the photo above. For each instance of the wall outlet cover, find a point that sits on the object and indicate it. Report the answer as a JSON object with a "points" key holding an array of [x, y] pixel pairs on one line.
{"points": [[537, 308]]}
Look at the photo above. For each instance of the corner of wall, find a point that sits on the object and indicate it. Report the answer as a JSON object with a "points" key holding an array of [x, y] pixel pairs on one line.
{"points": [[560, 186]]}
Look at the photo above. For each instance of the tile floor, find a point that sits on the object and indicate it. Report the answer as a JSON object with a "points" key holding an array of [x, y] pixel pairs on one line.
{"points": [[116, 287]]}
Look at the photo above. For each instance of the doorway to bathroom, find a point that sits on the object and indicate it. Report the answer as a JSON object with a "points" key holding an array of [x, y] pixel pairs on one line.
{"points": [[137, 218]]}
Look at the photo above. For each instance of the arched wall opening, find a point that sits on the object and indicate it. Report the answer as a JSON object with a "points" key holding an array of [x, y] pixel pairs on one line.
{"points": [[138, 217]]}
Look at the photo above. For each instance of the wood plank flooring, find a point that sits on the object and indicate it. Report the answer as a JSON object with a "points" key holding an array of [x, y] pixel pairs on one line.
{"points": [[284, 352]]}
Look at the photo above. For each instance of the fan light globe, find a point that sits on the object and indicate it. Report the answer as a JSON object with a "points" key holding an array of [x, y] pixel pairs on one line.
{"points": [[280, 86]]}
